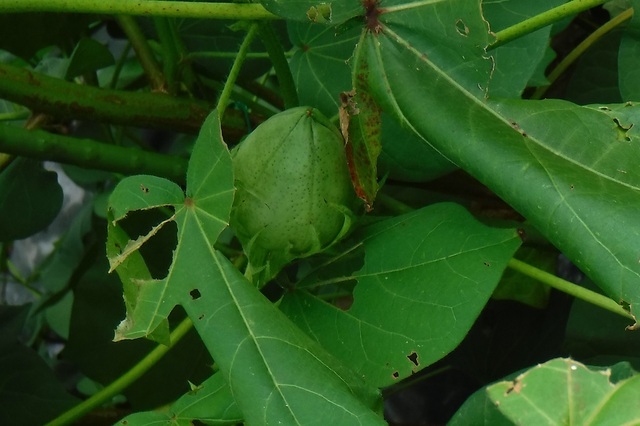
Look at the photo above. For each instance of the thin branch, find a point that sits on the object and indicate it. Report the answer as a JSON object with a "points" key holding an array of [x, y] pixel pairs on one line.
{"points": [[570, 288], [542, 20], [280, 64], [143, 52], [223, 100]]}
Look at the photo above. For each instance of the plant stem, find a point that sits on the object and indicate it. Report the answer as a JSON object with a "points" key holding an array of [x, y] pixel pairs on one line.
{"points": [[542, 20], [170, 57], [176, 9], [123, 381], [144, 52], [280, 64], [63, 99], [568, 287], [580, 49], [225, 95], [89, 153]]}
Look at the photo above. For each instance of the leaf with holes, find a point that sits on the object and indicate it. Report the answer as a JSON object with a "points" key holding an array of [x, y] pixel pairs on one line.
{"points": [[437, 265], [568, 169], [261, 354]]}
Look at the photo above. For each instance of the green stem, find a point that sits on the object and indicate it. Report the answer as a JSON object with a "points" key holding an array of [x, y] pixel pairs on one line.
{"points": [[280, 64], [542, 20], [144, 52], [170, 57], [570, 288], [176, 9], [123, 381], [89, 153], [69, 100], [580, 49], [225, 95]]}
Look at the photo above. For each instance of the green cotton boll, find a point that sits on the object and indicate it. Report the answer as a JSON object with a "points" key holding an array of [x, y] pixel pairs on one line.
{"points": [[294, 196]]}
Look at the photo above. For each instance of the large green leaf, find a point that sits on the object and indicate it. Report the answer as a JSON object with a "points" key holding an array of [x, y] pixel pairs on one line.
{"points": [[276, 373], [558, 392], [568, 169], [437, 266]]}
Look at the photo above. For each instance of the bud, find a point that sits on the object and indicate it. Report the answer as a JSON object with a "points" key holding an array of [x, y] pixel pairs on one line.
{"points": [[294, 196]]}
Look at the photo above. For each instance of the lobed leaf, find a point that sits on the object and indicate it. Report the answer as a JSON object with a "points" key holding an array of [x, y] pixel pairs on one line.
{"points": [[437, 266], [275, 372], [564, 167]]}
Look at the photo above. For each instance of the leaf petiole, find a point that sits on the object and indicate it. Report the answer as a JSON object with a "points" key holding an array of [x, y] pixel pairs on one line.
{"points": [[542, 20], [225, 95], [570, 288]]}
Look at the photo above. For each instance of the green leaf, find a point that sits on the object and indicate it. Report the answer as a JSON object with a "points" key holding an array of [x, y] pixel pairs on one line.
{"points": [[261, 354], [568, 184], [558, 392], [407, 157], [437, 265], [563, 391], [319, 65], [30, 198], [143, 192], [211, 403], [266, 358]]}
